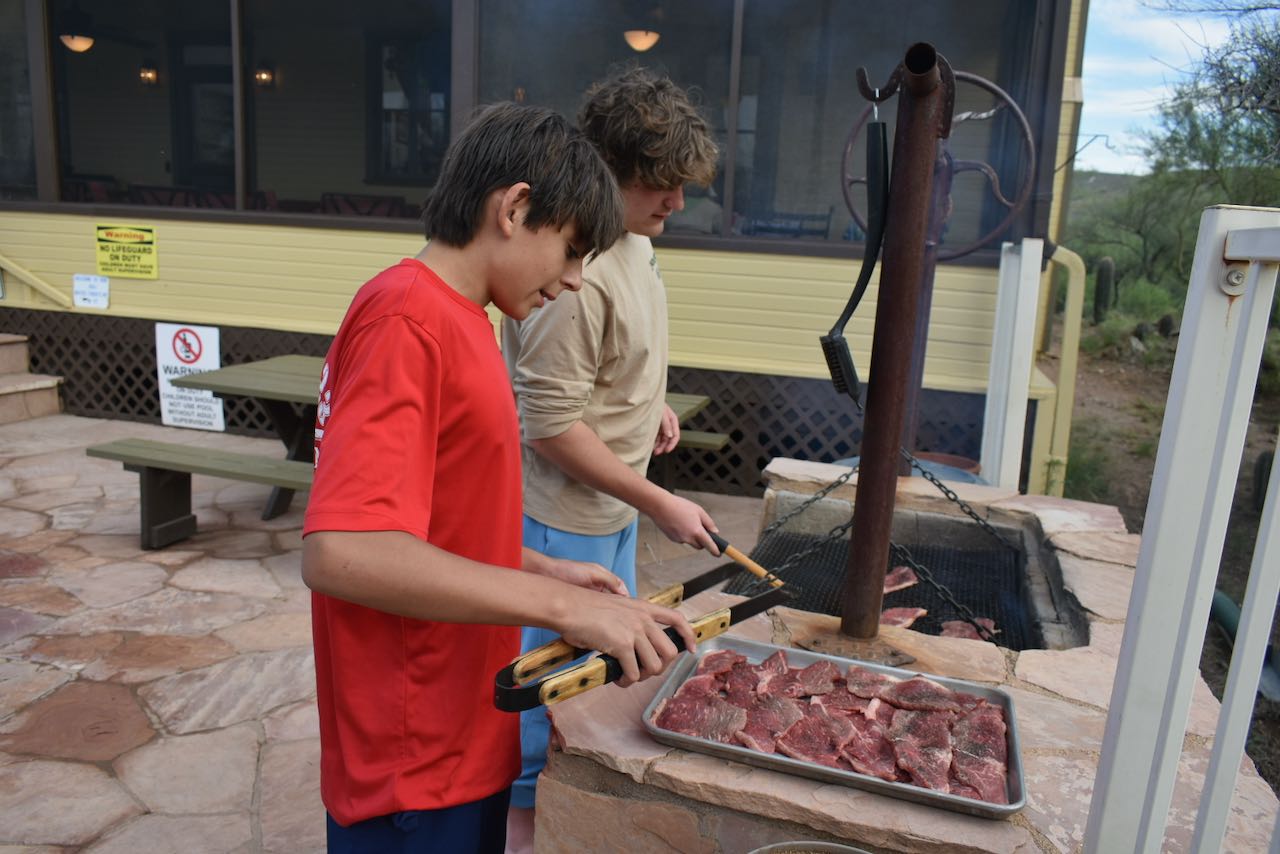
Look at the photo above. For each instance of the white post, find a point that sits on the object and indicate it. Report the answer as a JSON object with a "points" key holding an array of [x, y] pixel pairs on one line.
{"points": [[1202, 439], [1009, 379]]}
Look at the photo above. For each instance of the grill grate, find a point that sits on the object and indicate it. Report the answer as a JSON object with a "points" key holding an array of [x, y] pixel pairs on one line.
{"points": [[989, 582]]}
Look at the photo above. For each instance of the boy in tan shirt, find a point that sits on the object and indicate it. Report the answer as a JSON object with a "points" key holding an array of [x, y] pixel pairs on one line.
{"points": [[590, 372]]}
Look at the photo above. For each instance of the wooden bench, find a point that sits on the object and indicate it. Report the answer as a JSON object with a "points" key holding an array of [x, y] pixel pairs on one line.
{"points": [[165, 469], [661, 471]]}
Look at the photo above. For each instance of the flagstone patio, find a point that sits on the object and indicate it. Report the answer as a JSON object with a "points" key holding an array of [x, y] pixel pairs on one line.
{"points": [[163, 701]]}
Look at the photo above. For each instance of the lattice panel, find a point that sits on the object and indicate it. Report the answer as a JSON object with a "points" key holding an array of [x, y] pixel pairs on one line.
{"points": [[771, 416], [108, 365]]}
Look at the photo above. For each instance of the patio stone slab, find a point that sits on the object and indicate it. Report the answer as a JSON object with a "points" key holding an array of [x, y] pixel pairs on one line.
{"points": [[287, 541], [1078, 674], [1062, 515], [241, 577], [22, 682], [72, 652], [204, 773], [291, 815], [142, 658], [292, 723], [15, 623], [1058, 793], [277, 631], [162, 834], [165, 612], [19, 565], [112, 583], [59, 803], [43, 500], [244, 688], [20, 523], [37, 542], [38, 596], [286, 569], [605, 725], [615, 824], [232, 544], [89, 721], [119, 546], [1050, 723], [1102, 588], [1099, 545]]}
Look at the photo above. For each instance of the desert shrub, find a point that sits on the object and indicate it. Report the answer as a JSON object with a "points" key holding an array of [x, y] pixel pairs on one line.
{"points": [[1143, 301], [1088, 466], [1110, 334]]}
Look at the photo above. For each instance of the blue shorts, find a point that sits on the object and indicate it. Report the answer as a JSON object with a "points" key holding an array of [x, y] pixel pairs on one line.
{"points": [[480, 827], [616, 553]]}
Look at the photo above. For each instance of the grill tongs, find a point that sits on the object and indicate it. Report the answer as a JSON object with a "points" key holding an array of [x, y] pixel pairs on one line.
{"points": [[516, 691]]}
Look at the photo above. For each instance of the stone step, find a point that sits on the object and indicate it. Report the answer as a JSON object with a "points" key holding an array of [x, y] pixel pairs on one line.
{"points": [[14, 356], [24, 396]]}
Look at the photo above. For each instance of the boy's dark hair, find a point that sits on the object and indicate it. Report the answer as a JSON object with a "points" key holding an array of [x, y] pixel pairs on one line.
{"points": [[648, 130], [508, 143]]}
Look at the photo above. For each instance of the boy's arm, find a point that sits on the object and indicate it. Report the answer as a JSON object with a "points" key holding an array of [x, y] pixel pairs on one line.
{"points": [[592, 576], [581, 454], [397, 573]]}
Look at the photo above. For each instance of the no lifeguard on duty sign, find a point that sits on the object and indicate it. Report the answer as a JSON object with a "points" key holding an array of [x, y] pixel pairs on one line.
{"points": [[127, 251]]}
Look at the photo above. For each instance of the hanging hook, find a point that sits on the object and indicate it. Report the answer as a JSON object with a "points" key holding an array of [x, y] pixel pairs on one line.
{"points": [[881, 93], [875, 106]]}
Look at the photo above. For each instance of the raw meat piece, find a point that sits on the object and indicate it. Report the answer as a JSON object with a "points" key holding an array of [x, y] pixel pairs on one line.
{"points": [[899, 578], [817, 678], [719, 661], [965, 629], [740, 685], [880, 711], [817, 737], [979, 752], [841, 703], [870, 751], [776, 663], [767, 717], [958, 788], [921, 694], [866, 683], [705, 716], [902, 617], [705, 685], [922, 746]]}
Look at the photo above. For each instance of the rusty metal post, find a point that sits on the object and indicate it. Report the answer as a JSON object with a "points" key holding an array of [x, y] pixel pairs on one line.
{"points": [[925, 100]]}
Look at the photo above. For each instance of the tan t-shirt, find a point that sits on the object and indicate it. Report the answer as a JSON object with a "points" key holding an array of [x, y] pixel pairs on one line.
{"points": [[600, 357]]}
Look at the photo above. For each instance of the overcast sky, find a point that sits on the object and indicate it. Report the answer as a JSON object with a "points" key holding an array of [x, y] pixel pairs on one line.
{"points": [[1132, 56]]}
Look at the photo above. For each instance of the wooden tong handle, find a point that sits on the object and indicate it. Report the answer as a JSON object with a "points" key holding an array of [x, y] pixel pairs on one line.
{"points": [[605, 669], [756, 569]]}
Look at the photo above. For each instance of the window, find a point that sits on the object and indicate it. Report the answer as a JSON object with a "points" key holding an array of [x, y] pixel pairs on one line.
{"points": [[122, 138], [17, 148], [549, 52], [354, 118]]}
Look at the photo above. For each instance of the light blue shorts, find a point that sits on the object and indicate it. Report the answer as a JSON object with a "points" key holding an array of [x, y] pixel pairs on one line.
{"points": [[616, 553]]}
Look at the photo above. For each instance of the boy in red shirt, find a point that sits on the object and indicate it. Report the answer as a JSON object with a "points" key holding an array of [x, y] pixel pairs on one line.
{"points": [[413, 528]]}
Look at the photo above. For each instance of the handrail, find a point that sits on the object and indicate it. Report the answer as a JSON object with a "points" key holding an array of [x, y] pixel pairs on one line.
{"points": [[49, 291], [1060, 443]]}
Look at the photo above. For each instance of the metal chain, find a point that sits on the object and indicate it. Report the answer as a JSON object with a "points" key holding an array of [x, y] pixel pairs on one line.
{"points": [[950, 493], [901, 553], [808, 502]]}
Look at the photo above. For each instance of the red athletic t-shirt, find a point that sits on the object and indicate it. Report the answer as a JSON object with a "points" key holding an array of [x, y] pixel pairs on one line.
{"points": [[416, 432]]}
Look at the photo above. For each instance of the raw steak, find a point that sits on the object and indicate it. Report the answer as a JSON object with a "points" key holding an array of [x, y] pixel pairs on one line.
{"points": [[979, 753], [866, 683], [899, 578], [965, 629], [841, 703], [817, 678], [921, 694], [776, 663], [767, 717], [902, 617], [705, 685], [719, 661], [817, 737], [922, 746], [870, 751], [705, 716], [740, 684]]}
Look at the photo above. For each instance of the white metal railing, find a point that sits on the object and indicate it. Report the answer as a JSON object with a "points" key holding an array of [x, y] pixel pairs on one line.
{"points": [[1012, 346], [1229, 297]]}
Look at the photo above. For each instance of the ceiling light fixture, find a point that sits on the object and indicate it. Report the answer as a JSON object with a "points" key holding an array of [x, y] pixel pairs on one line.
{"points": [[641, 40]]}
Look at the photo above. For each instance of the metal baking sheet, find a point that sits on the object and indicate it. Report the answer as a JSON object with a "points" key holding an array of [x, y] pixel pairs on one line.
{"points": [[758, 652]]}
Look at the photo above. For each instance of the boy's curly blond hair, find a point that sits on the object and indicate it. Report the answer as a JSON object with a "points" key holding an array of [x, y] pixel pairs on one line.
{"points": [[648, 131]]}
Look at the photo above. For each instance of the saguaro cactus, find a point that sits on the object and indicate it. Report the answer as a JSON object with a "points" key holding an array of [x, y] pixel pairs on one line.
{"points": [[1104, 288]]}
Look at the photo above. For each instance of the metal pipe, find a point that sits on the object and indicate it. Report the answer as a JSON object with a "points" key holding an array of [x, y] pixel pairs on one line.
{"points": [[924, 117], [1059, 446]]}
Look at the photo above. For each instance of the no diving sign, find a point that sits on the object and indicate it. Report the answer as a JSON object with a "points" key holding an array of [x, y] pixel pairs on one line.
{"points": [[182, 350]]}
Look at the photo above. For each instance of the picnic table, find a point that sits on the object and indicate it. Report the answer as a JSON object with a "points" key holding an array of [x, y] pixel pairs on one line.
{"points": [[281, 381]]}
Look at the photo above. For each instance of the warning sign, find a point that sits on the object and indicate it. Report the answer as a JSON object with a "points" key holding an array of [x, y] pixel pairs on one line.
{"points": [[182, 350], [128, 251]]}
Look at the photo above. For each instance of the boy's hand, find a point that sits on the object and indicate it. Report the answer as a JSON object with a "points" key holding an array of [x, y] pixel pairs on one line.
{"points": [[592, 576], [631, 630], [668, 432], [684, 522]]}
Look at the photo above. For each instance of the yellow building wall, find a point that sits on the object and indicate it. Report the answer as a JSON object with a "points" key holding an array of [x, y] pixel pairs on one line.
{"points": [[728, 310]]}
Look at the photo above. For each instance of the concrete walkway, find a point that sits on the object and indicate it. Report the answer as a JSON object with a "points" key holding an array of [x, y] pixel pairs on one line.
{"points": [[163, 701]]}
